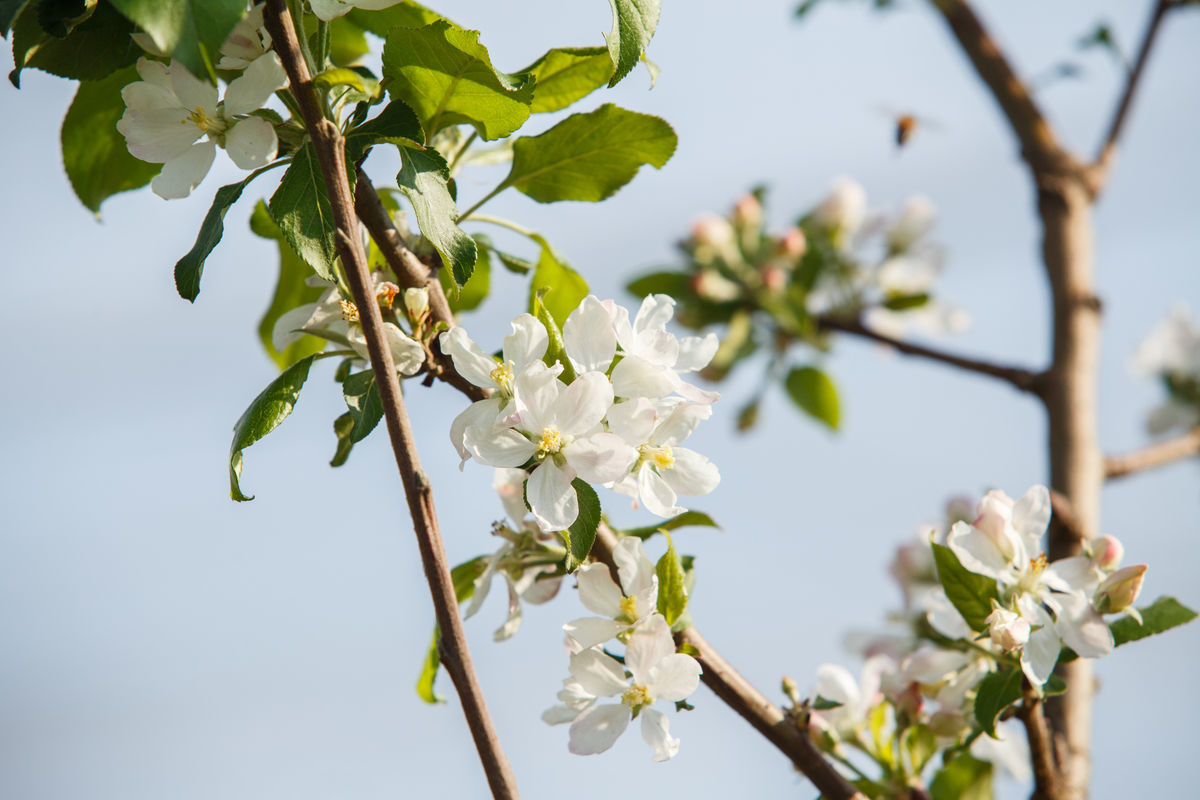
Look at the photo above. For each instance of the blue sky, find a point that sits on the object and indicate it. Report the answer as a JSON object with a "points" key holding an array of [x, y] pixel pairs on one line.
{"points": [[162, 641]]}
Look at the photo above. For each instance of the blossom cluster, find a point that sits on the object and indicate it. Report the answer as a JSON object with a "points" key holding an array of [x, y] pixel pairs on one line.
{"points": [[1171, 354], [610, 409]]}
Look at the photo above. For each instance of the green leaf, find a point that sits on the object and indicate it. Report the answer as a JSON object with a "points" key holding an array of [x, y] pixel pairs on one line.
{"points": [[475, 290], [589, 156], [824, 704], [905, 302], [971, 594], [555, 350], [672, 589], [190, 31], [814, 393], [582, 533], [1163, 614], [59, 17], [189, 268], [963, 778], [463, 576], [676, 284], [347, 45], [634, 22], [8, 12], [341, 76], [447, 77], [424, 178], [565, 75], [429, 671], [698, 518], [362, 398], [301, 209], [342, 427], [94, 154], [921, 745], [515, 264], [401, 15], [93, 50], [566, 287], [396, 123], [272, 406], [291, 291], [1054, 686], [996, 692]]}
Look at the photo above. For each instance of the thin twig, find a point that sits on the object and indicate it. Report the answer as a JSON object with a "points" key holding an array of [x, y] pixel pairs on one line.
{"points": [[1022, 379], [1045, 774], [1156, 455], [737, 693], [1108, 149], [330, 151]]}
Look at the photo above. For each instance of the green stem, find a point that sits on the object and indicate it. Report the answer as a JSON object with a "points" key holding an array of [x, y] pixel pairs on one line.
{"points": [[848, 764], [467, 214], [322, 44], [296, 9], [462, 151], [503, 223]]}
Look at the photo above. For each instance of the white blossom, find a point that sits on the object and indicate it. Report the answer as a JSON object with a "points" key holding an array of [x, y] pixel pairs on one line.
{"points": [[620, 607], [328, 9]]}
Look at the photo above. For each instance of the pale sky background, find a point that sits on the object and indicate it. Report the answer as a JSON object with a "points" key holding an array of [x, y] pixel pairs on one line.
{"points": [[160, 641]]}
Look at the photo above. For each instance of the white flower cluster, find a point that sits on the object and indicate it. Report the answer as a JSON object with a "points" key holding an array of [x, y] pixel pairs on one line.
{"points": [[1171, 353], [617, 424], [650, 671]]}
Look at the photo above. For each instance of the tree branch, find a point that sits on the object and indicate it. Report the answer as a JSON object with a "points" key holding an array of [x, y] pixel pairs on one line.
{"points": [[738, 694], [1156, 455], [1022, 379], [1108, 149], [330, 151], [1045, 775]]}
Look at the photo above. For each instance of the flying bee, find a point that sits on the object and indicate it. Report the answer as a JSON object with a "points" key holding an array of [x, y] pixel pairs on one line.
{"points": [[905, 124]]}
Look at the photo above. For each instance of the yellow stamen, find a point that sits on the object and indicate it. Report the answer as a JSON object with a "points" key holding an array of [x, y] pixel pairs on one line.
{"points": [[629, 608], [349, 310], [661, 457], [503, 376], [1036, 565], [204, 122], [636, 697], [551, 441]]}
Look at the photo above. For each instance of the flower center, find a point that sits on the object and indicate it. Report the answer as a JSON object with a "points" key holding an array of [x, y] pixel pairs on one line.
{"points": [[661, 457], [349, 310], [503, 376], [629, 608], [637, 698], [1036, 565], [550, 442], [200, 118]]}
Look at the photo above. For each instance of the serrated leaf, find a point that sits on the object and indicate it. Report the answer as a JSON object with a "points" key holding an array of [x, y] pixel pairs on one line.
{"points": [[447, 77], [582, 533], [672, 589], [301, 209], [424, 177], [555, 350], [815, 394], [589, 156], [1163, 614], [475, 290], [567, 288], [971, 594], [94, 153], [401, 15], [272, 406], [634, 22], [996, 692], [463, 577], [396, 123], [698, 518], [9, 9], [189, 268], [564, 75], [963, 778], [362, 398], [93, 50], [190, 31]]}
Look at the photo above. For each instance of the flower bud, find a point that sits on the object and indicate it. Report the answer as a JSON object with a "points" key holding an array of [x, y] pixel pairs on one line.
{"points": [[385, 293], [1009, 630], [995, 521], [417, 302], [1119, 591], [747, 212], [793, 244], [843, 210], [790, 690], [914, 222], [948, 724], [713, 286], [712, 231], [773, 278], [1107, 552]]}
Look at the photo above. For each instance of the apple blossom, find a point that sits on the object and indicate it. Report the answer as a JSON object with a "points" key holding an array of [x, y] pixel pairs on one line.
{"points": [[1120, 590], [326, 10], [843, 210], [620, 607], [1008, 630], [247, 42], [653, 358], [1172, 353]]}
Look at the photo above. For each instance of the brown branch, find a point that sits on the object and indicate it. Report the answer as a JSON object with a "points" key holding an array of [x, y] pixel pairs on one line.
{"points": [[737, 693], [1065, 519], [1156, 455], [1022, 379], [411, 272], [1045, 776], [1108, 149], [1039, 147], [329, 147]]}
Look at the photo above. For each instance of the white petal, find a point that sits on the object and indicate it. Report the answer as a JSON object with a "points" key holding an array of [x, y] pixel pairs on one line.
{"points": [[158, 135], [633, 420], [1071, 575], [692, 474], [680, 423], [598, 674], [542, 589], [654, 313], [509, 483], [944, 617], [1031, 515], [513, 622], [1040, 654], [407, 353], [483, 585], [588, 336], [634, 568], [695, 352], [656, 733], [559, 715], [583, 404], [251, 143], [192, 92], [182, 174], [601, 457], [1082, 628], [155, 72], [147, 96], [527, 343], [287, 328], [588, 632], [498, 447], [650, 643], [254, 88], [674, 678], [552, 497], [480, 413], [598, 592], [976, 551], [637, 377], [326, 10], [598, 729], [536, 390], [656, 495], [469, 360]]}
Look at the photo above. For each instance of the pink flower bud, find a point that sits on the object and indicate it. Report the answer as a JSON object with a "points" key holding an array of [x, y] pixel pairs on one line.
{"points": [[995, 519], [793, 244], [1119, 590], [1009, 631], [712, 231], [713, 286], [773, 278], [747, 212], [1107, 552]]}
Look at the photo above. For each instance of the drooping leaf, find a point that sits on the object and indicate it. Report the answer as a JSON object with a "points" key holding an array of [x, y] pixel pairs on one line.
{"points": [[971, 594], [564, 75], [463, 577], [94, 154], [429, 671], [362, 398], [396, 123], [815, 394], [582, 533], [301, 209], [190, 31], [291, 291], [475, 290], [447, 77], [996, 692], [272, 406], [589, 156], [402, 15], [1163, 614], [634, 22], [342, 427], [567, 288], [556, 351], [515, 264], [93, 50], [424, 177], [963, 778], [698, 518], [672, 591], [189, 268]]}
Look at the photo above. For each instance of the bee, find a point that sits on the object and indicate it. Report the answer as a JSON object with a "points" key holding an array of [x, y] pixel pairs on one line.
{"points": [[906, 124]]}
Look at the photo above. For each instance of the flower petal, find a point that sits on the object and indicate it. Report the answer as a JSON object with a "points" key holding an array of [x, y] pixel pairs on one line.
{"points": [[1030, 516], [656, 494], [634, 568], [583, 404], [287, 329], [469, 360], [527, 343], [251, 143], [695, 352], [597, 729], [680, 423], [254, 88], [674, 678], [1082, 628], [656, 733], [182, 174], [497, 447], [598, 674], [157, 135], [589, 337], [536, 390], [977, 552], [588, 632], [552, 497], [692, 473], [633, 420], [482, 413], [598, 592], [601, 457], [192, 92], [650, 643], [636, 377]]}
